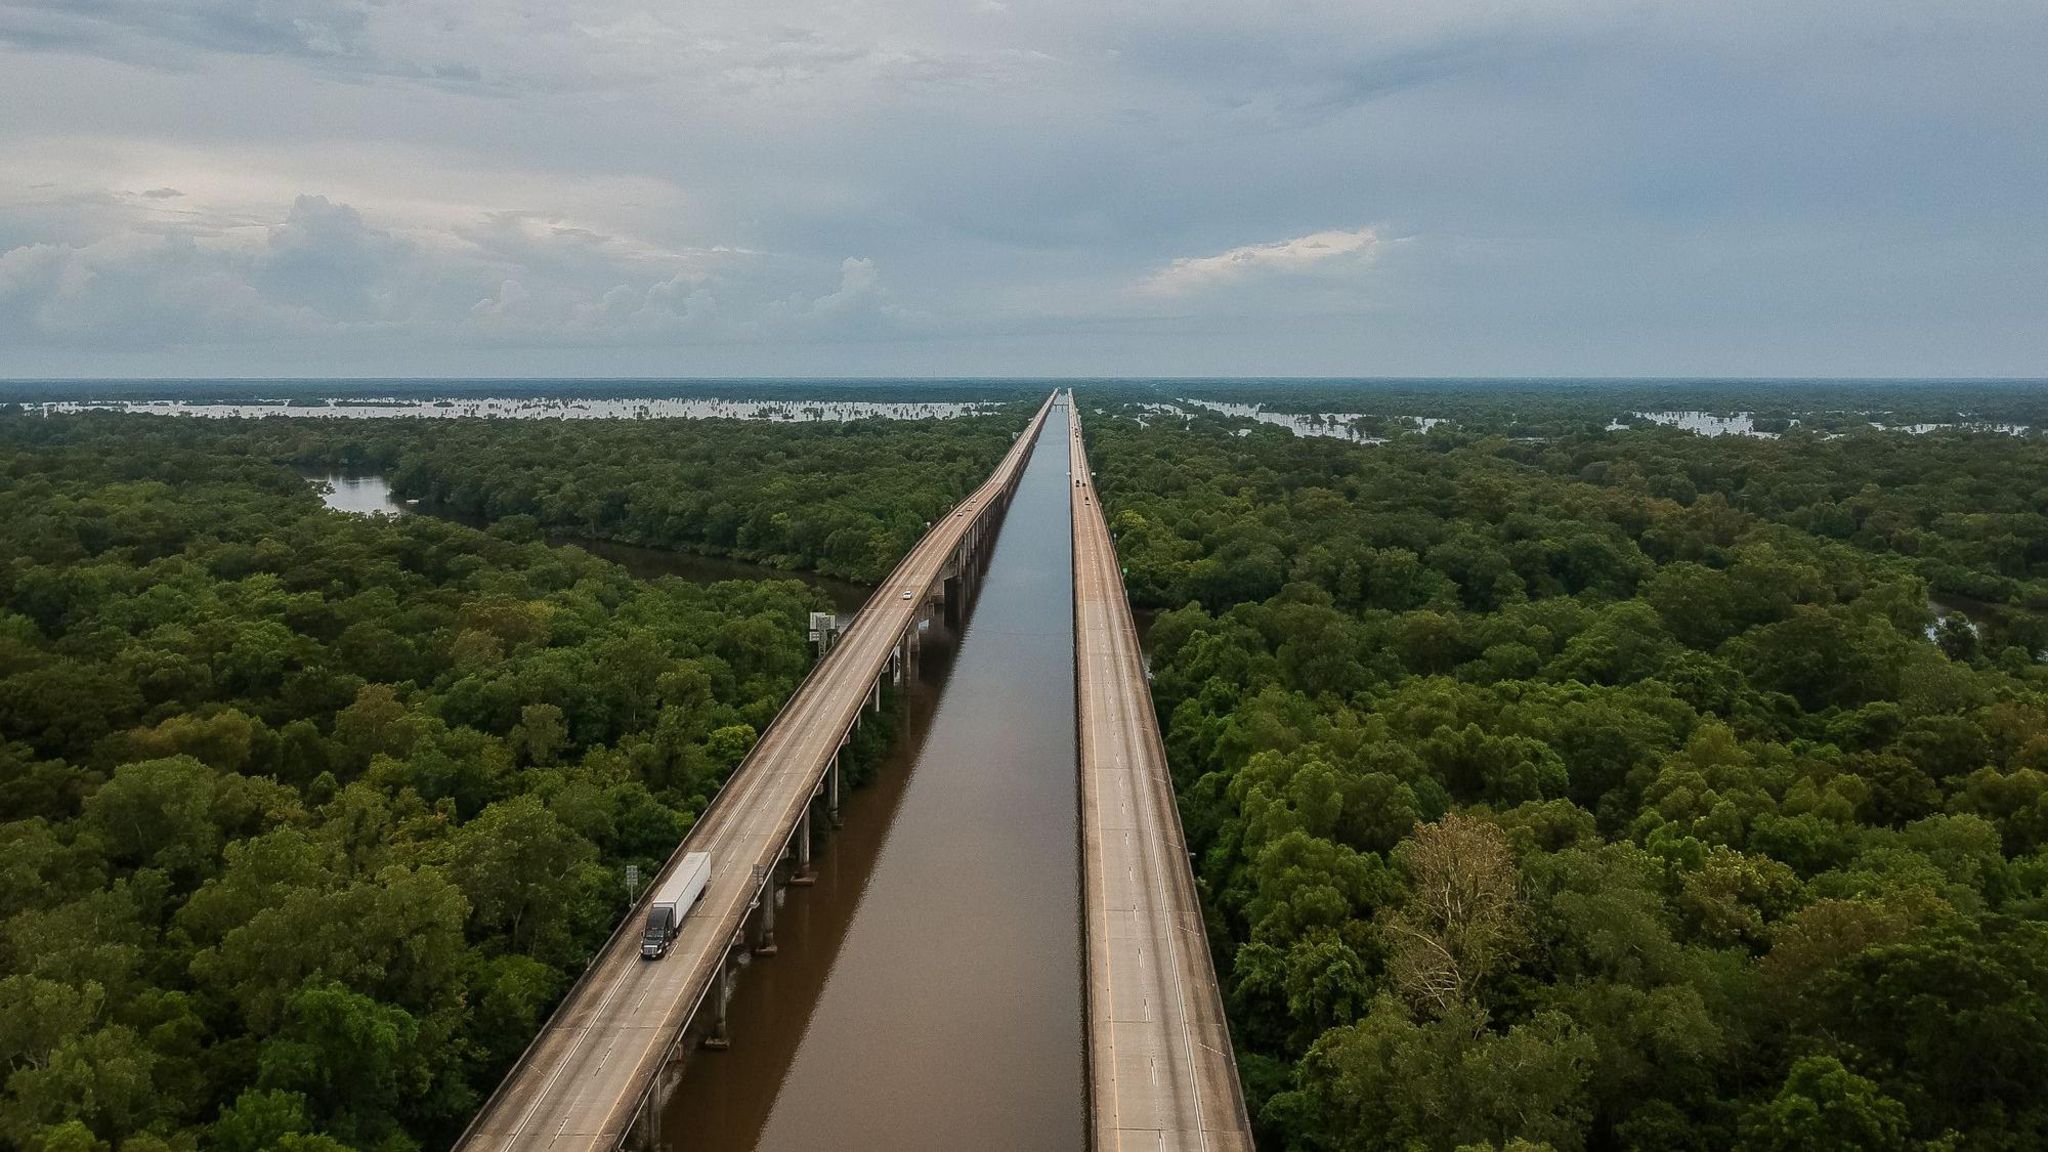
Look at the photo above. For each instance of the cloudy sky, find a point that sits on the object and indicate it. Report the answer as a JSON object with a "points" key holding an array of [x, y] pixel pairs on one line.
{"points": [[1004, 187]]}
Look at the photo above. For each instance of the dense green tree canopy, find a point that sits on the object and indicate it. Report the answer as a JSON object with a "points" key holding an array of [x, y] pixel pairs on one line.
{"points": [[307, 819], [1608, 789]]}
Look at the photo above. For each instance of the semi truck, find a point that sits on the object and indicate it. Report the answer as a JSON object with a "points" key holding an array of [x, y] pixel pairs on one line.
{"points": [[672, 902]]}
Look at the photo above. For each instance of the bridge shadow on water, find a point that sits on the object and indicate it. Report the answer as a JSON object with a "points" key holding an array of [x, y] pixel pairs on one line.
{"points": [[926, 992]]}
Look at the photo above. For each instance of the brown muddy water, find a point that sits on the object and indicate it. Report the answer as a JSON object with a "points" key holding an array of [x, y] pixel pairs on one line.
{"points": [[927, 990]]}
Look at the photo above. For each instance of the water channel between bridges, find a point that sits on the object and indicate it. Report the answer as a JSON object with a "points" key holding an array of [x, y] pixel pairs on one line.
{"points": [[927, 990]]}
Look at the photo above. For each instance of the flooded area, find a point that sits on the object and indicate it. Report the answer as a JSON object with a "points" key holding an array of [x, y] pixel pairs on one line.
{"points": [[536, 408], [361, 495], [1337, 425], [927, 991], [1746, 424], [1702, 423], [1967, 426]]}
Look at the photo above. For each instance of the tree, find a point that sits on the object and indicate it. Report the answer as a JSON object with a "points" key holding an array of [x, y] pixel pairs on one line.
{"points": [[1824, 1107], [354, 1061], [259, 1119], [728, 745], [102, 1078], [1626, 644], [377, 722], [38, 1015], [1389, 1082], [522, 870], [158, 813], [1957, 637], [224, 740], [1819, 658], [1952, 1023], [512, 995], [541, 735], [1695, 602], [1463, 917], [1301, 882]]}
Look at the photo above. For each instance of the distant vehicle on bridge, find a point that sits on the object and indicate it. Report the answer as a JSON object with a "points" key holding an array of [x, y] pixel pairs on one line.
{"points": [[672, 902]]}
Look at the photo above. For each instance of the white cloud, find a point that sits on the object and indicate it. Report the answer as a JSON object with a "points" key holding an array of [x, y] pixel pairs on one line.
{"points": [[231, 268], [501, 176], [1315, 251], [514, 47]]}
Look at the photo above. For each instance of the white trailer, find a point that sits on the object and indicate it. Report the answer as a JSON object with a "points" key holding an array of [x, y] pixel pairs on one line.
{"points": [[672, 902]]}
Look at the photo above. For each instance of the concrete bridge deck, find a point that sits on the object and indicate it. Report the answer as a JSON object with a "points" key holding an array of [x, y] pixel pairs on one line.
{"points": [[1161, 1073], [591, 1072]]}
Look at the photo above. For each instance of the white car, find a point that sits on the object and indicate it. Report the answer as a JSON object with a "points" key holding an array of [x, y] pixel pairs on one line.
{"points": [[906, 593]]}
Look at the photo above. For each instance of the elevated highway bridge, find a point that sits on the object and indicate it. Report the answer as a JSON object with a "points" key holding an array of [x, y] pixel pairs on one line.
{"points": [[1161, 1073], [604, 1062]]}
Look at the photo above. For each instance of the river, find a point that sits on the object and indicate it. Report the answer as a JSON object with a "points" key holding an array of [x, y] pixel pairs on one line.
{"points": [[927, 993]]}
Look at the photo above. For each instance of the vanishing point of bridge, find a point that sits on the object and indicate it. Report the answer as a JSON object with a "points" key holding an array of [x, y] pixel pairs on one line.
{"points": [[1161, 1074]]}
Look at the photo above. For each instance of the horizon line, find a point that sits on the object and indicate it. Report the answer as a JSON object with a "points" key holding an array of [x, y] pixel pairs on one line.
{"points": [[1237, 378]]}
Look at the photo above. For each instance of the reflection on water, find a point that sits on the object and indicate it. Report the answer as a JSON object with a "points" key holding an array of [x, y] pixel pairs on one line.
{"points": [[1966, 610], [927, 992], [1334, 424], [1338, 425], [362, 495], [1703, 423], [1744, 424], [1966, 426], [538, 408]]}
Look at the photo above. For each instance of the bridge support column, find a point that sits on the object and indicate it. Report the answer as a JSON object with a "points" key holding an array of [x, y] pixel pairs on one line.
{"points": [[719, 1039], [875, 696], [766, 899], [646, 1133], [804, 876], [832, 790]]}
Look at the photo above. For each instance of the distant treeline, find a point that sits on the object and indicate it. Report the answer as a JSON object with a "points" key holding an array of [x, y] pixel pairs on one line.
{"points": [[843, 499], [317, 390], [1553, 407], [1517, 406]]}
